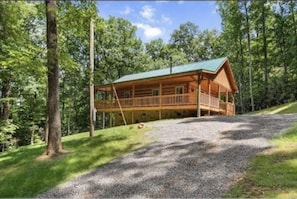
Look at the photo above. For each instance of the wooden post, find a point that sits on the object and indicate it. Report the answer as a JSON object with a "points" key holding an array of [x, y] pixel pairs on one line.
{"points": [[160, 100], [91, 78], [219, 96], [199, 79], [226, 101], [132, 117], [115, 92], [103, 120], [110, 119], [232, 96]]}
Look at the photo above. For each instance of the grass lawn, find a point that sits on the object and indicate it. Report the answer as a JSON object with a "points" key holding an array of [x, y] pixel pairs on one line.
{"points": [[272, 174], [24, 174], [281, 109]]}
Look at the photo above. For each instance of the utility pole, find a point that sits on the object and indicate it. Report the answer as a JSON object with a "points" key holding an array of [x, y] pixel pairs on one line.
{"points": [[92, 115]]}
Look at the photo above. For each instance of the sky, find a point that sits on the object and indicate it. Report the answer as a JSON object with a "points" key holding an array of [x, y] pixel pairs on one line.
{"points": [[158, 19]]}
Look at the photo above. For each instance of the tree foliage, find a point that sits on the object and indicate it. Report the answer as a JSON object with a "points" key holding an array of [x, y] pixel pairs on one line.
{"points": [[261, 35]]}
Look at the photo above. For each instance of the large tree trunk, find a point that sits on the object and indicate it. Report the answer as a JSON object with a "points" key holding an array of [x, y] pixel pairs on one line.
{"points": [[54, 144], [250, 55]]}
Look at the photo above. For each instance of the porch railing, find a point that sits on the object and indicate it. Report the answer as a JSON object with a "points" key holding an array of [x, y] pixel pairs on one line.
{"points": [[167, 101], [153, 101], [210, 101]]}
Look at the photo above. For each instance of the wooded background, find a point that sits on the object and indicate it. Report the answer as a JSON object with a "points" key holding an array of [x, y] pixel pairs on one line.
{"points": [[258, 37]]}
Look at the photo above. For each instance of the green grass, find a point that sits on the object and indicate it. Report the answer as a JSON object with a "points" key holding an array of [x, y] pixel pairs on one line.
{"points": [[273, 174], [281, 109], [24, 174]]}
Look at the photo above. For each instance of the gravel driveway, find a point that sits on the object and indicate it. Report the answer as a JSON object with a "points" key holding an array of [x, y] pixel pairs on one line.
{"points": [[193, 157]]}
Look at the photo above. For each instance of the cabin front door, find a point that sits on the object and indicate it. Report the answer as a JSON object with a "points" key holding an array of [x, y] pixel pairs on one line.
{"points": [[155, 93], [179, 90]]}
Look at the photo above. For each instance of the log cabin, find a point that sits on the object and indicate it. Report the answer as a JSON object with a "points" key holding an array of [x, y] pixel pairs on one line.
{"points": [[190, 90]]}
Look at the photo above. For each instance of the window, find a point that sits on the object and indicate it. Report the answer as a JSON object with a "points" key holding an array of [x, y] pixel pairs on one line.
{"points": [[127, 102], [127, 94], [155, 92], [179, 90]]}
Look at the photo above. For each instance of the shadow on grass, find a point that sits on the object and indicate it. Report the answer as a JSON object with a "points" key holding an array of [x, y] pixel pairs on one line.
{"points": [[269, 176], [25, 176]]}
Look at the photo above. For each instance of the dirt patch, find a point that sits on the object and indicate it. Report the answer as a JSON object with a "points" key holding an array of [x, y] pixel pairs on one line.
{"points": [[44, 156]]}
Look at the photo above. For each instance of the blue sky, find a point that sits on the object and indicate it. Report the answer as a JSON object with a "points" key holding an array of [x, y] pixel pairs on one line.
{"points": [[158, 19]]}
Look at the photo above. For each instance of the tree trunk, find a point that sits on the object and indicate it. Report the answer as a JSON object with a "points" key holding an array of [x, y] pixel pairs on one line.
{"points": [[54, 144], [32, 134], [46, 122], [242, 74], [266, 71], [250, 55]]}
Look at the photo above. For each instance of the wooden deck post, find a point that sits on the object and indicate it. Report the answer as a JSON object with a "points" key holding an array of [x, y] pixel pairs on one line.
{"points": [[219, 96], [226, 101], [132, 117], [105, 97], [103, 120], [160, 100], [232, 96], [199, 79], [110, 119]]}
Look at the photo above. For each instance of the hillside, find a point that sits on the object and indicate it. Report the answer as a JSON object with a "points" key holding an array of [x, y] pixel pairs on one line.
{"points": [[280, 109], [25, 172]]}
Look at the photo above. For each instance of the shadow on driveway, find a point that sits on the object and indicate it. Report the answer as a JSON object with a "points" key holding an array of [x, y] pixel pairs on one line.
{"points": [[185, 164]]}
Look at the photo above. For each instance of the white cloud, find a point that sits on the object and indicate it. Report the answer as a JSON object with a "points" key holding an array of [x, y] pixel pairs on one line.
{"points": [[147, 12], [149, 31], [180, 2], [162, 1], [166, 20], [214, 11], [127, 11]]}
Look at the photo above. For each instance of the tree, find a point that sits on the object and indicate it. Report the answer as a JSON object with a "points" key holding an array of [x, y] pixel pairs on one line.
{"points": [[18, 54], [119, 51], [206, 46], [159, 55], [182, 39], [54, 144]]}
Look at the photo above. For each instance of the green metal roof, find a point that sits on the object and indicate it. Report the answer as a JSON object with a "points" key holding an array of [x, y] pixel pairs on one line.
{"points": [[209, 65]]}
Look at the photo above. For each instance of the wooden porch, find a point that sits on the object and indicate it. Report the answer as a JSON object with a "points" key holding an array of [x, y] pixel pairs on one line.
{"points": [[186, 101]]}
